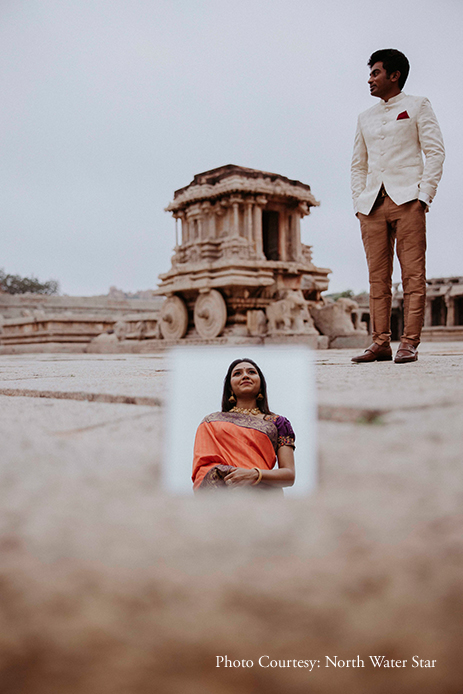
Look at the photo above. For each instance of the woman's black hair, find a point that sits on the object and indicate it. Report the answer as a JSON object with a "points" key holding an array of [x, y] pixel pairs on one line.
{"points": [[262, 403]]}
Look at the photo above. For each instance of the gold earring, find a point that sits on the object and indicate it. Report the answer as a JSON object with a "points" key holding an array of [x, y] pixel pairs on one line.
{"points": [[260, 397], [232, 398]]}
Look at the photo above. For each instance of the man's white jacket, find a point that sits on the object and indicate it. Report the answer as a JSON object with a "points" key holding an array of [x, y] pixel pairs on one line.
{"points": [[390, 141]]}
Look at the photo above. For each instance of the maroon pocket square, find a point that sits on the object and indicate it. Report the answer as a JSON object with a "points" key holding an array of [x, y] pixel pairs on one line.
{"points": [[403, 115]]}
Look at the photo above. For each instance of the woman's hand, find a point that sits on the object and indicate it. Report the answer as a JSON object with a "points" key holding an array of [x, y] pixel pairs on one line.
{"points": [[282, 477], [240, 477]]}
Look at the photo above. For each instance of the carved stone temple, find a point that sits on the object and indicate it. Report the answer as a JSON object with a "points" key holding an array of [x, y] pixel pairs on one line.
{"points": [[239, 267], [239, 274]]}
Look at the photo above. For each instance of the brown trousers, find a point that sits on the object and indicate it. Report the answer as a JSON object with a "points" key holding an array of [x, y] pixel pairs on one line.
{"points": [[386, 223]]}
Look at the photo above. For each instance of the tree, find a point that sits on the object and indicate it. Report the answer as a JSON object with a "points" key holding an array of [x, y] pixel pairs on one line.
{"points": [[15, 284], [348, 294]]}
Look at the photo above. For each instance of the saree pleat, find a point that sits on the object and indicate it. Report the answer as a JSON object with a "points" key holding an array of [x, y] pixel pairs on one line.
{"points": [[230, 443]]}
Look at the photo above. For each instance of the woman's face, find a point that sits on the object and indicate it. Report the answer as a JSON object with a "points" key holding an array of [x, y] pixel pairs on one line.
{"points": [[245, 381]]}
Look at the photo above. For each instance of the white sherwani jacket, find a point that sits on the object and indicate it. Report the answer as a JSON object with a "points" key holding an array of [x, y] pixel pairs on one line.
{"points": [[390, 141]]}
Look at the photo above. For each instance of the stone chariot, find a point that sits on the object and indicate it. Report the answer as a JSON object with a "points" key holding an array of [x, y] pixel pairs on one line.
{"points": [[239, 268]]}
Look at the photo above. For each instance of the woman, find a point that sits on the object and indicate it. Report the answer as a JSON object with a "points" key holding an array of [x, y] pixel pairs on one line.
{"points": [[239, 446]]}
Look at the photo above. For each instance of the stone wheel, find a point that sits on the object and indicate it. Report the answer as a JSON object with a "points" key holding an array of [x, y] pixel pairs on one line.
{"points": [[210, 314], [174, 318]]}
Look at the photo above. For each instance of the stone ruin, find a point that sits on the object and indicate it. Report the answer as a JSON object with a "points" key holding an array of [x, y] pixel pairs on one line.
{"points": [[340, 322], [240, 269], [38, 323], [240, 273], [444, 309], [443, 318]]}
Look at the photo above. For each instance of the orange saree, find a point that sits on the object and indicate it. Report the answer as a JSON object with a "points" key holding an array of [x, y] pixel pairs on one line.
{"points": [[237, 440]]}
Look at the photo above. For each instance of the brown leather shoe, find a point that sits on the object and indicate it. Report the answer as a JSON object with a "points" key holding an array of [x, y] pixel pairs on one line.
{"points": [[406, 353], [374, 352]]}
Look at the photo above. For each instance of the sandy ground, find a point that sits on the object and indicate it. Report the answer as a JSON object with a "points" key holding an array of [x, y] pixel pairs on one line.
{"points": [[109, 585]]}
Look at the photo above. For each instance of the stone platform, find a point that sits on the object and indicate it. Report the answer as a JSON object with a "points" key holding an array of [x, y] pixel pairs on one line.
{"points": [[110, 585]]}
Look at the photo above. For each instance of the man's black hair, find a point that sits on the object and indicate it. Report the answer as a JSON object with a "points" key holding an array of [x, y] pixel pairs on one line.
{"points": [[392, 60]]}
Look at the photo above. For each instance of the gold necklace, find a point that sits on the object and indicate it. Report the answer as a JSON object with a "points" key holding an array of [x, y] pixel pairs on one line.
{"points": [[244, 410]]}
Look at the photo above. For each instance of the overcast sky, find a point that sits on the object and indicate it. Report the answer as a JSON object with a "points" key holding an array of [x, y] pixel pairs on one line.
{"points": [[108, 106]]}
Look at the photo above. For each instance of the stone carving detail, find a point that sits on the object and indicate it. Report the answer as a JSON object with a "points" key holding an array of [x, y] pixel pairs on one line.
{"points": [[194, 254], [256, 322], [210, 314], [307, 253], [236, 248], [140, 330], [334, 319], [120, 329], [289, 315], [174, 318], [236, 183]]}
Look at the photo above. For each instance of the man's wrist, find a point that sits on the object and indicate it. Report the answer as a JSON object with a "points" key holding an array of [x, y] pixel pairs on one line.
{"points": [[424, 197]]}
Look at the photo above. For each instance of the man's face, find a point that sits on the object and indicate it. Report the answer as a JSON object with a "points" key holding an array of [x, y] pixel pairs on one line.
{"points": [[381, 85]]}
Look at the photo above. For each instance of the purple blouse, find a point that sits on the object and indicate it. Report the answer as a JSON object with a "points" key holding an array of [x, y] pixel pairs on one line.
{"points": [[286, 435]]}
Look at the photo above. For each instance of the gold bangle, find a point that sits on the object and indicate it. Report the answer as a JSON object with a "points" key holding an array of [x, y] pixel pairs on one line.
{"points": [[259, 476]]}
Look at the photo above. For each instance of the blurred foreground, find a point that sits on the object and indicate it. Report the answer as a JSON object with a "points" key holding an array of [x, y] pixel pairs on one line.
{"points": [[110, 586]]}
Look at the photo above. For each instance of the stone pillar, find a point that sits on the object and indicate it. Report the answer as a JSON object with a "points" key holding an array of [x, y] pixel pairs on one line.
{"points": [[235, 221], [282, 234], [289, 241], [185, 229], [181, 216], [205, 221], [226, 210], [296, 238], [219, 212], [260, 203], [191, 229], [450, 301], [302, 211], [212, 225], [192, 224], [211, 222], [248, 217], [428, 313]]}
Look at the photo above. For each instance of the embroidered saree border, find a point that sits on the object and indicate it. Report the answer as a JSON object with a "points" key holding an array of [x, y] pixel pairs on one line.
{"points": [[247, 421]]}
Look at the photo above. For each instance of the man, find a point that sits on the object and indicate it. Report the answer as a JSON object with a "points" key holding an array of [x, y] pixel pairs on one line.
{"points": [[392, 190]]}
